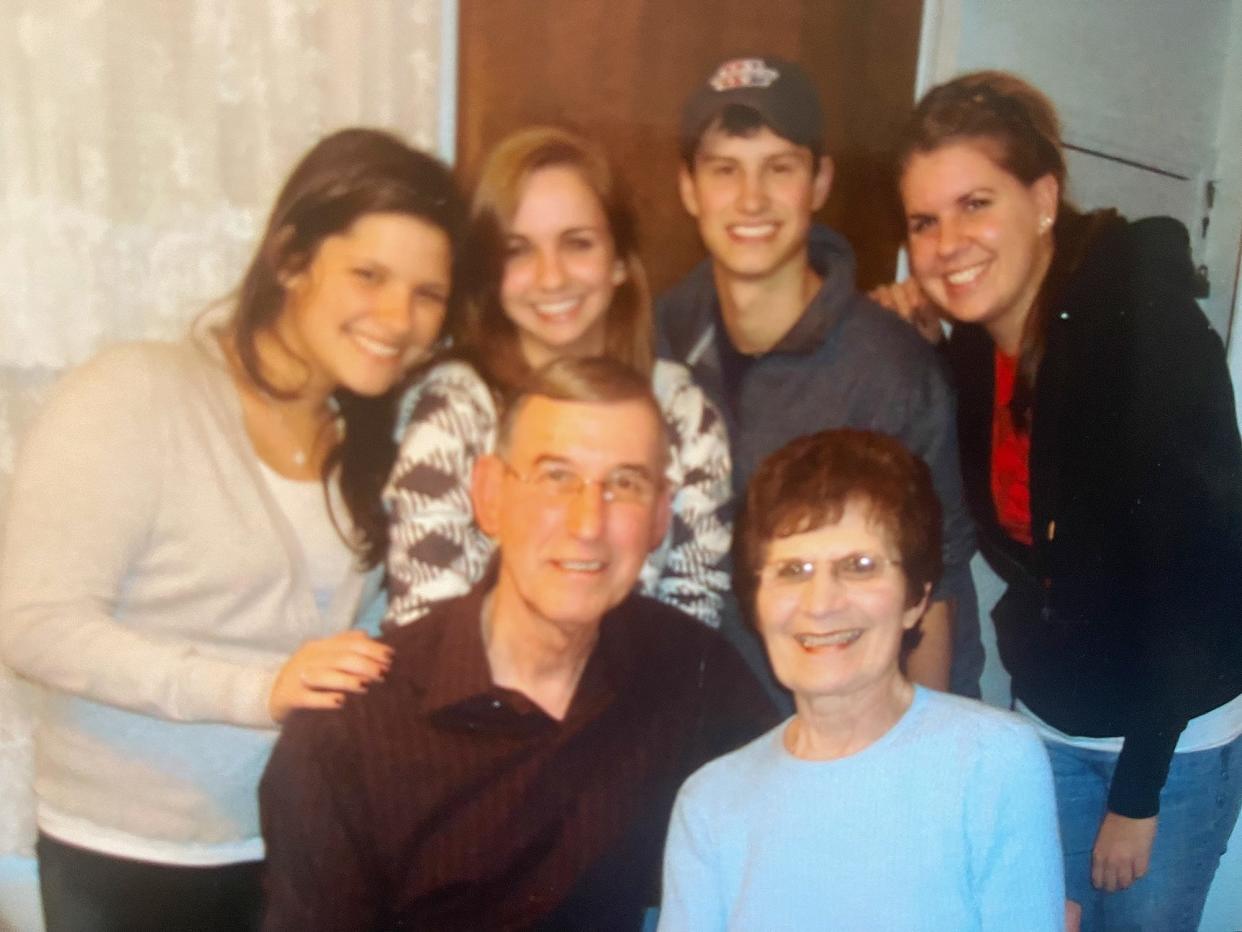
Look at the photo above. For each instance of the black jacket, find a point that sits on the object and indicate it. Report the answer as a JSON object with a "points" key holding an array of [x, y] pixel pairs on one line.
{"points": [[1125, 615]]}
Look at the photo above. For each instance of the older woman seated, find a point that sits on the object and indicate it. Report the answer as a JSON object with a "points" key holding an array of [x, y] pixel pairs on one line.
{"points": [[879, 804]]}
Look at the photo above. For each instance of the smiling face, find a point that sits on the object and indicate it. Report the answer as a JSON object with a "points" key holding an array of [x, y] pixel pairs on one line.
{"points": [[825, 638], [565, 559], [561, 267], [980, 241], [753, 197], [370, 301]]}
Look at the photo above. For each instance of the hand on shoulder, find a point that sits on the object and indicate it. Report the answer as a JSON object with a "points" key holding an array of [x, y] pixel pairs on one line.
{"points": [[320, 672], [906, 299]]}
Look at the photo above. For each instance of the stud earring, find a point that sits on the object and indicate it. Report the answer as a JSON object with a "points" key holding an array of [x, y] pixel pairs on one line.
{"points": [[1045, 224]]}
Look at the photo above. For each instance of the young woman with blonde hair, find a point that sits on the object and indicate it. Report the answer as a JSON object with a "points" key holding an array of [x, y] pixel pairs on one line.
{"points": [[554, 272]]}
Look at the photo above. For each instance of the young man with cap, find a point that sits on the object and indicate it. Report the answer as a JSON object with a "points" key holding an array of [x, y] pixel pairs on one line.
{"points": [[775, 331]]}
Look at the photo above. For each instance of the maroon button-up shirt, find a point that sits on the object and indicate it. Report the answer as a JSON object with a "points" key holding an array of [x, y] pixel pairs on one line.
{"points": [[438, 800]]}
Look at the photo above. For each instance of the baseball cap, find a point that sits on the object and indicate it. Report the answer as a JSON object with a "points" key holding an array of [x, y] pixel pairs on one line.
{"points": [[778, 90]]}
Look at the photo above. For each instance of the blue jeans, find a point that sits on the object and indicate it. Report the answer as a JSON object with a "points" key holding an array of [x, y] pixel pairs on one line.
{"points": [[1198, 808]]}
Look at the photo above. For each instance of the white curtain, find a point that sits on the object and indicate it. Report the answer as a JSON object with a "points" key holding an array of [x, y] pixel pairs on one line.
{"points": [[141, 143]]}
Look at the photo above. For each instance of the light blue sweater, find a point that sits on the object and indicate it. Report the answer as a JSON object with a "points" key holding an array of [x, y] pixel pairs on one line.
{"points": [[946, 823]]}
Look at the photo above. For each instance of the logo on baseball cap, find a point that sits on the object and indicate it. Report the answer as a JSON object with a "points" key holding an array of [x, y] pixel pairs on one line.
{"points": [[778, 90]]}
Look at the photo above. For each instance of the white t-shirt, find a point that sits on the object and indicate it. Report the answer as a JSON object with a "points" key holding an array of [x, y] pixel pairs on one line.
{"points": [[326, 554], [1204, 732]]}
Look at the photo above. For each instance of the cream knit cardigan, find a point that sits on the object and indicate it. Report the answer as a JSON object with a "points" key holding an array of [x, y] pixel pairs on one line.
{"points": [[149, 580]]}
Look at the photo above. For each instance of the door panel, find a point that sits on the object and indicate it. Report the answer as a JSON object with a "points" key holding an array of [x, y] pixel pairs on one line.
{"points": [[620, 69]]}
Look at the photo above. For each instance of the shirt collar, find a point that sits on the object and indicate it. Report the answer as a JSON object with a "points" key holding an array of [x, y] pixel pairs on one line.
{"points": [[459, 679], [459, 670]]}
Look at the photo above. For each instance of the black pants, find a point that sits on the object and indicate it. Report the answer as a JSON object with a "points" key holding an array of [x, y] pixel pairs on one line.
{"points": [[84, 891]]}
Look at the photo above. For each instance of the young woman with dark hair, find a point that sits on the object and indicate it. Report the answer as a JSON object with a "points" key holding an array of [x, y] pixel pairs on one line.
{"points": [[555, 272], [189, 535], [1101, 459]]}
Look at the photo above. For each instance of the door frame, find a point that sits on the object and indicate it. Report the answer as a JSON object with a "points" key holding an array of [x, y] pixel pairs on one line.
{"points": [[446, 119]]}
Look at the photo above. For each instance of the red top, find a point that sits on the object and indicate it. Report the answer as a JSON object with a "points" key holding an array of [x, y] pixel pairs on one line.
{"points": [[1011, 457]]}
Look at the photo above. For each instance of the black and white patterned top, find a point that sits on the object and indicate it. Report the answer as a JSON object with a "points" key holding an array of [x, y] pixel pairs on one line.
{"points": [[436, 551]]}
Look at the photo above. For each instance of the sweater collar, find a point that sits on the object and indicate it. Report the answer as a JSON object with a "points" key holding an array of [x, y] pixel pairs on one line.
{"points": [[458, 685], [698, 303]]}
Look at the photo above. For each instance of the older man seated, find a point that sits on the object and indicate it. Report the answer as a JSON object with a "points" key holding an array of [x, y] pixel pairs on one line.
{"points": [[517, 765]]}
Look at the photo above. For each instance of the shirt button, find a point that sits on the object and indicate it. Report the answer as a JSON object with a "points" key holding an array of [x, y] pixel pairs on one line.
{"points": [[496, 703]]}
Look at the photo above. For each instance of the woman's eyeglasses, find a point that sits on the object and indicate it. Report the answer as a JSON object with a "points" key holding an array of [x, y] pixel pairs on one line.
{"points": [[852, 569]]}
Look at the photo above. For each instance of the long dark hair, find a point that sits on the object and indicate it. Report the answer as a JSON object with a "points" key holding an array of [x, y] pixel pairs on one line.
{"points": [[487, 338], [345, 176], [1019, 129]]}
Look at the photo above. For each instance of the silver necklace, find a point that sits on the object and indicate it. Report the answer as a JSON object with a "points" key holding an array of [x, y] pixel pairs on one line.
{"points": [[300, 455]]}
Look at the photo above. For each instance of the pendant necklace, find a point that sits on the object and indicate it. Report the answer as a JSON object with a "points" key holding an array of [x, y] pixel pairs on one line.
{"points": [[300, 454]]}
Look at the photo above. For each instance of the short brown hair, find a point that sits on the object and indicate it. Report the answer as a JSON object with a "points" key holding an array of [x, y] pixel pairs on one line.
{"points": [[599, 379], [486, 333], [808, 483]]}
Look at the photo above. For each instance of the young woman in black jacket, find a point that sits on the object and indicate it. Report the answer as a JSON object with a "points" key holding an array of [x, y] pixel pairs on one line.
{"points": [[1102, 463]]}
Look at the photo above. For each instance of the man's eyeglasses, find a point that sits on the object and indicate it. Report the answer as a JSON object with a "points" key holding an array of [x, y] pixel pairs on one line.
{"points": [[852, 569], [628, 485]]}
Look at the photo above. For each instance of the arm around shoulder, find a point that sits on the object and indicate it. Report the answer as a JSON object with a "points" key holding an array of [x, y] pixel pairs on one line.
{"points": [[930, 432], [695, 574], [918, 406], [436, 551]]}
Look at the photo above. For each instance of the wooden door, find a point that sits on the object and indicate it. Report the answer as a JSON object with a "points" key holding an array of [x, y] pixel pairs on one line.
{"points": [[620, 69]]}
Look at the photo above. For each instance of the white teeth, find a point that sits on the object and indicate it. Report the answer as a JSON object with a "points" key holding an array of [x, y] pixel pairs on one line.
{"points": [[965, 276], [752, 230], [583, 566], [835, 639], [556, 308], [378, 347]]}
